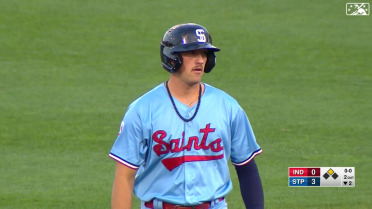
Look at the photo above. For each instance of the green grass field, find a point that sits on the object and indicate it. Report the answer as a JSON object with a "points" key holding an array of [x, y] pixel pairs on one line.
{"points": [[68, 70]]}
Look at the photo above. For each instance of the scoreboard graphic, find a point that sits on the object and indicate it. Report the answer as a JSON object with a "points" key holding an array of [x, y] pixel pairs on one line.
{"points": [[321, 176]]}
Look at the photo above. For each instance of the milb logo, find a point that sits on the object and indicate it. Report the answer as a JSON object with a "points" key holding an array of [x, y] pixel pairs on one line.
{"points": [[357, 9]]}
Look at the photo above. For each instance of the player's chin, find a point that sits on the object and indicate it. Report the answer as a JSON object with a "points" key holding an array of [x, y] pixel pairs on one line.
{"points": [[197, 77], [195, 80]]}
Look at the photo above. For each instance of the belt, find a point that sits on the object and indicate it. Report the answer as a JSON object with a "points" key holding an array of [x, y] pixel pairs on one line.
{"points": [[166, 205]]}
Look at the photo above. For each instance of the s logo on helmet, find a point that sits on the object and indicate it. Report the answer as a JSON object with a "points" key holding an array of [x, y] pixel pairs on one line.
{"points": [[200, 34]]}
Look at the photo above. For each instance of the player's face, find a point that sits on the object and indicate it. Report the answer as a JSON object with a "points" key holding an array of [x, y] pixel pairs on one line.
{"points": [[193, 63]]}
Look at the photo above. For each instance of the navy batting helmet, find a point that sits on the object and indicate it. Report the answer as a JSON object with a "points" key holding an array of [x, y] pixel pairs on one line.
{"points": [[182, 38]]}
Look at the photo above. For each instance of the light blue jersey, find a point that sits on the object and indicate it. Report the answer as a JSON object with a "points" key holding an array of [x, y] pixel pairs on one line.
{"points": [[181, 162]]}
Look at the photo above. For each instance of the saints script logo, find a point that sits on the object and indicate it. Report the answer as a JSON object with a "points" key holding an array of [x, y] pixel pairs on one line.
{"points": [[176, 145]]}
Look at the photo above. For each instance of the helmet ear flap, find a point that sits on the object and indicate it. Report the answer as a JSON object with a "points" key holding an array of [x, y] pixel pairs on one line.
{"points": [[176, 62], [211, 62], [171, 62]]}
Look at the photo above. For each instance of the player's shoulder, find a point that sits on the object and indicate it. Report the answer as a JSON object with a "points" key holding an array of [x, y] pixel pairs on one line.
{"points": [[218, 94], [151, 97]]}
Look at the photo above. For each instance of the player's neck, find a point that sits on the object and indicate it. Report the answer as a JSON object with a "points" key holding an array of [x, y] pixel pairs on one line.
{"points": [[184, 92]]}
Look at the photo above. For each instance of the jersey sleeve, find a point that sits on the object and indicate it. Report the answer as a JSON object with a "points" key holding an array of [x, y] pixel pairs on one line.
{"points": [[243, 143], [130, 146]]}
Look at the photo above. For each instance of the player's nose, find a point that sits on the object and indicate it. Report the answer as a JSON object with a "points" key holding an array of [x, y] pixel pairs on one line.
{"points": [[200, 57]]}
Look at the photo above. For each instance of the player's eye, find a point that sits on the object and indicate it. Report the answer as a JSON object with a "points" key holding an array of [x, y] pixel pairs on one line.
{"points": [[194, 53], [202, 52]]}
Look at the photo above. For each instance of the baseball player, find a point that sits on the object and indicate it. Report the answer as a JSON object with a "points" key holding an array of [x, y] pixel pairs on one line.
{"points": [[176, 140]]}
